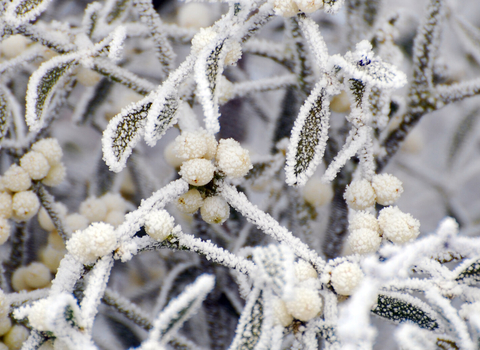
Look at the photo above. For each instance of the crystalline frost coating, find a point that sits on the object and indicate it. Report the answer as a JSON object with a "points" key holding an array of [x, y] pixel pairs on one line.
{"points": [[304, 270], [215, 210], [388, 188], [360, 195], [305, 305], [397, 226], [95, 241], [25, 205], [190, 145], [362, 220], [197, 172], [282, 316], [346, 277], [159, 224], [94, 209], [50, 148], [55, 175], [16, 179], [232, 158], [35, 164], [6, 210], [364, 241]]}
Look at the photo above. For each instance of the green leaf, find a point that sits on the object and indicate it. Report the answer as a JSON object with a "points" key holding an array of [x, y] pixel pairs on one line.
{"points": [[42, 86], [24, 7], [162, 116], [469, 270], [402, 308], [5, 114], [309, 137], [123, 132]]}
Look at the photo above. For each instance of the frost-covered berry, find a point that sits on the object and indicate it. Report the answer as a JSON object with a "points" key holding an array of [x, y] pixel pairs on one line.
{"points": [[18, 279], [397, 226], [364, 241], [44, 219], [234, 53], [16, 179], [50, 148], [38, 314], [309, 6], [35, 164], [159, 225], [304, 270], [51, 257], [171, 156], [4, 305], [194, 15], [190, 201], [55, 175], [204, 37], [190, 145], [211, 145], [16, 336], [76, 222], [87, 76], [92, 243], [197, 172], [94, 209], [282, 316], [232, 158], [346, 277], [4, 230], [360, 195], [305, 304], [6, 210], [388, 188], [114, 202], [25, 205], [361, 220], [317, 193], [37, 275], [5, 325], [225, 90], [285, 8], [215, 210], [55, 240]]}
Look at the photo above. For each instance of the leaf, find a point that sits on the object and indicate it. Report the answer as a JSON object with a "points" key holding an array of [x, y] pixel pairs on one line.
{"points": [[208, 69], [463, 131], [309, 136], [469, 270], [42, 85], [162, 115], [123, 132], [402, 308], [178, 311], [253, 329], [20, 12], [5, 114], [116, 10]]}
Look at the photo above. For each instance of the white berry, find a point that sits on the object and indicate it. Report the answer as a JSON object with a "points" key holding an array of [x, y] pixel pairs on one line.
{"points": [[362, 220], [360, 195], [304, 271], [44, 219], [159, 225], [364, 241], [16, 336], [305, 305], [317, 193], [25, 205], [55, 175], [194, 15], [309, 6], [190, 145], [94, 209], [215, 210], [50, 148], [282, 316], [76, 222], [6, 210], [197, 172], [397, 226], [37, 275], [346, 277], [232, 158], [190, 201], [16, 179], [388, 188]]}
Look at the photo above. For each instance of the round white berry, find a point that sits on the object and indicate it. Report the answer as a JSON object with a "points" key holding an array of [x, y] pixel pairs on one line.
{"points": [[16, 179], [38, 314], [87, 76], [364, 241], [171, 156], [197, 172], [194, 15], [4, 305], [211, 145], [361, 220], [388, 188], [190, 145], [215, 210], [282, 316], [13, 46], [55, 175], [50, 148], [159, 225], [309, 6], [35, 164], [4, 230], [6, 210], [18, 279], [114, 202], [304, 270], [55, 240], [37, 275], [190, 201], [51, 257], [204, 37], [16, 337], [5, 325], [25, 205], [285, 8], [95, 241], [317, 193], [360, 195], [397, 226], [225, 90], [232, 158], [305, 304], [94, 209], [44, 219], [76, 222], [115, 218], [346, 277]]}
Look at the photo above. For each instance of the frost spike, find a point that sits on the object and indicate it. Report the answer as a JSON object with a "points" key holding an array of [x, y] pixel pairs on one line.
{"points": [[309, 136], [123, 132], [178, 311], [23, 11], [42, 85]]}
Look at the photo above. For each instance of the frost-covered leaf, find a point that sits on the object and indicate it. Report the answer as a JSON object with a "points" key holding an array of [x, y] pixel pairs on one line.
{"points": [[90, 18], [161, 116], [5, 113], [42, 86], [123, 132], [20, 12], [253, 329], [403, 307], [178, 311], [116, 10], [309, 136], [469, 270], [275, 268], [208, 70]]}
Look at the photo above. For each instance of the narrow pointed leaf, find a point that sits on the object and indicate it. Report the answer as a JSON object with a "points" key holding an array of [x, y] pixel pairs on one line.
{"points": [[469, 270], [42, 86], [5, 114], [123, 132], [116, 10], [22, 11], [178, 311], [162, 115], [405, 308], [208, 69], [309, 137]]}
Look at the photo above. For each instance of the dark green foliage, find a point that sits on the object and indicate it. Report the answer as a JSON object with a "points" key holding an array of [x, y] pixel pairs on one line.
{"points": [[472, 272]]}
